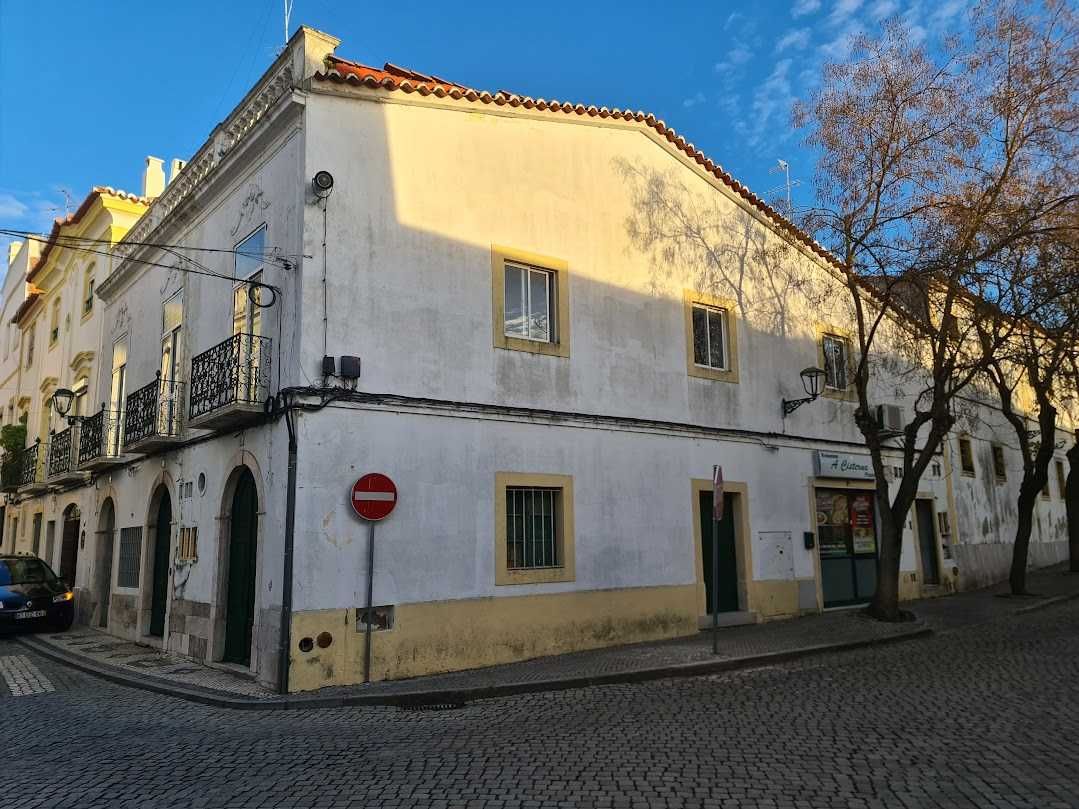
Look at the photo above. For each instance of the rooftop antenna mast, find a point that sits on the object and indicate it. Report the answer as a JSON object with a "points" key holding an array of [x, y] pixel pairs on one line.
{"points": [[288, 14], [782, 166]]}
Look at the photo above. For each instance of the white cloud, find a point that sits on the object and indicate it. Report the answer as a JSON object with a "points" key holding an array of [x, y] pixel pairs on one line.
{"points": [[803, 7], [796, 38], [843, 11], [838, 48], [947, 10], [11, 207], [771, 104], [882, 8], [694, 100]]}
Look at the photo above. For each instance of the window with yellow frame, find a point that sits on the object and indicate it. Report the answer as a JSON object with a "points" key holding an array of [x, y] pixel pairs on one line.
{"points": [[534, 540], [530, 302], [711, 336]]}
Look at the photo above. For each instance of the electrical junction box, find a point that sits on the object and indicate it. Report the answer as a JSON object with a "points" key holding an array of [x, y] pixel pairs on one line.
{"points": [[350, 367]]}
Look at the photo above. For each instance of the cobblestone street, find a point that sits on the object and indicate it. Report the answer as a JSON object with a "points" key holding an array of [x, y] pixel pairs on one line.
{"points": [[979, 717]]}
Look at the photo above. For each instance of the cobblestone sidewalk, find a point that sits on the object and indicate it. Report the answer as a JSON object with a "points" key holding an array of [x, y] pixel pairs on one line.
{"points": [[739, 647]]}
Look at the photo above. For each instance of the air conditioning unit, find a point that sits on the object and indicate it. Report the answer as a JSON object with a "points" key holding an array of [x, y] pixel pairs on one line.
{"points": [[890, 418]]}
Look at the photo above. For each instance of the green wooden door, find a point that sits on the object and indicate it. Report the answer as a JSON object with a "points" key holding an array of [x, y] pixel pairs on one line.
{"points": [[160, 581], [728, 555], [240, 603]]}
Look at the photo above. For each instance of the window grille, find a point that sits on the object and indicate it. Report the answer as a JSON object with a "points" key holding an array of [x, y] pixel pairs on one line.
{"points": [[529, 302], [532, 539], [188, 546], [127, 573], [710, 337]]}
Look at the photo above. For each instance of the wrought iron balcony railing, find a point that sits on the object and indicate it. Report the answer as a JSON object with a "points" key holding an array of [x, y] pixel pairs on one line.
{"points": [[153, 412], [32, 466], [100, 436], [233, 372], [62, 446]]}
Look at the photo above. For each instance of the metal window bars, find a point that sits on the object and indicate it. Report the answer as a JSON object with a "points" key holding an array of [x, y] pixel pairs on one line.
{"points": [[31, 465], [531, 528]]}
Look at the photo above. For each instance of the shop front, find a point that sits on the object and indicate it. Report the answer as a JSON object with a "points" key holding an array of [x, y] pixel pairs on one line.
{"points": [[846, 529]]}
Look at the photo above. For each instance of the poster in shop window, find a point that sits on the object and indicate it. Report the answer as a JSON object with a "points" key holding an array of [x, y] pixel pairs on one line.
{"points": [[863, 531], [833, 523]]}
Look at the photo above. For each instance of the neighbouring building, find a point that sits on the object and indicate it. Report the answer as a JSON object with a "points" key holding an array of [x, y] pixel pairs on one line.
{"points": [[548, 381]]}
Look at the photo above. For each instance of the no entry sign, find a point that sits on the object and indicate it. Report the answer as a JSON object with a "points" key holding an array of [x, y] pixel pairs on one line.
{"points": [[374, 496]]}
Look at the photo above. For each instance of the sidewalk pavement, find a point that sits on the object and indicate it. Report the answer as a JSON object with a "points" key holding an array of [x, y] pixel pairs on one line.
{"points": [[739, 647]]}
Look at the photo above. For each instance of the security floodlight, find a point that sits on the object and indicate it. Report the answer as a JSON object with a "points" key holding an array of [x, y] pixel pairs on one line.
{"points": [[322, 184]]}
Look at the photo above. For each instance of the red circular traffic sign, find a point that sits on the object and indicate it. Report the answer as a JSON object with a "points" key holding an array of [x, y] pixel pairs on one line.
{"points": [[374, 496]]}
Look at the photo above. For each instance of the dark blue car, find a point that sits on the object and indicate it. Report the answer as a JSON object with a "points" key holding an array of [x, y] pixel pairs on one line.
{"points": [[31, 595]]}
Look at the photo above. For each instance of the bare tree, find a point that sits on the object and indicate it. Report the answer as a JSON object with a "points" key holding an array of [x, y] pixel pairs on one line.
{"points": [[932, 164]]}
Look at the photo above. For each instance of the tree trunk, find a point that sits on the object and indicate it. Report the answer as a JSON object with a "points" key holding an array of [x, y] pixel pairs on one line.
{"points": [[885, 603], [1028, 496], [1071, 504]]}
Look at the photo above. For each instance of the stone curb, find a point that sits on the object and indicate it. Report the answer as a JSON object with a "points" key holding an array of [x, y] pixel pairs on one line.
{"points": [[424, 697], [1049, 602]]}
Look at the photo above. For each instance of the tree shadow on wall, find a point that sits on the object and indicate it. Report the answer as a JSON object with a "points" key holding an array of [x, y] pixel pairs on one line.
{"points": [[707, 242]]}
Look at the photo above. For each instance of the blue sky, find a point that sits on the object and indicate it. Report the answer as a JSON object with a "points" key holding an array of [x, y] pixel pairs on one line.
{"points": [[87, 90]]}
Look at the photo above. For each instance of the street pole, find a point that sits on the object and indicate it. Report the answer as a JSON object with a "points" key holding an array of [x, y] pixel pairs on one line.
{"points": [[370, 601], [715, 581]]}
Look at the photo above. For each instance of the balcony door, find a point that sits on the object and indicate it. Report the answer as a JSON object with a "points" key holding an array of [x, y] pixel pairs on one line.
{"points": [[246, 329], [171, 323], [117, 404]]}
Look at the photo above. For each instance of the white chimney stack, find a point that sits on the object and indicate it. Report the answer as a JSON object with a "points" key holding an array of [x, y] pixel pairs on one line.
{"points": [[175, 167], [153, 178]]}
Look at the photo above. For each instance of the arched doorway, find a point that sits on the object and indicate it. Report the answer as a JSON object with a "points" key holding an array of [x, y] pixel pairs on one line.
{"points": [[159, 581], [106, 526], [69, 545], [240, 595]]}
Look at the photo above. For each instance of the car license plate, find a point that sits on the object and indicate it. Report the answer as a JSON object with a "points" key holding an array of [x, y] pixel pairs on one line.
{"points": [[32, 614]]}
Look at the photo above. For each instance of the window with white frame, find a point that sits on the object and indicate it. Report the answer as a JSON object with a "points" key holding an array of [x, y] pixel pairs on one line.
{"points": [[710, 337], [251, 253], [530, 294], [30, 344], [836, 362], [532, 520], [88, 291]]}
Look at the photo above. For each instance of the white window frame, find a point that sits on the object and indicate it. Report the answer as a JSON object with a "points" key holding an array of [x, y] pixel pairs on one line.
{"points": [[724, 335], [551, 285], [829, 366]]}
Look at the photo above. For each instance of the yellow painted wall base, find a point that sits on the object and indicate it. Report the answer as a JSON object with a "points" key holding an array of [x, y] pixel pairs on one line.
{"points": [[774, 599], [442, 636]]}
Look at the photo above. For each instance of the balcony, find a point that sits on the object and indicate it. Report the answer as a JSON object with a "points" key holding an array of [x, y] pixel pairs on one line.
{"points": [[99, 441], [230, 382], [63, 466], [152, 416], [32, 477]]}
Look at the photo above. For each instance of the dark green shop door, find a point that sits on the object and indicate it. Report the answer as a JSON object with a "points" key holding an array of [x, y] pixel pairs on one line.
{"points": [[160, 582], [728, 556], [240, 606]]}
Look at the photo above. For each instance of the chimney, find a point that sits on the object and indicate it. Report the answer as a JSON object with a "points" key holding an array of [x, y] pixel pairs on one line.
{"points": [[176, 167], [153, 178], [13, 249]]}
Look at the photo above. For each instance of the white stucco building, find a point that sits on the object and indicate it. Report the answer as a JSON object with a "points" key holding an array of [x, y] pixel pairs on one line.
{"points": [[548, 384]]}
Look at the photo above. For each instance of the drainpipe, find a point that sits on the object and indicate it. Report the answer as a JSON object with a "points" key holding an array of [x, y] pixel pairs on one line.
{"points": [[290, 541]]}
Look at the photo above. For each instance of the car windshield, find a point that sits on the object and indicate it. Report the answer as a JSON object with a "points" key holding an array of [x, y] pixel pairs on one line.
{"points": [[24, 571]]}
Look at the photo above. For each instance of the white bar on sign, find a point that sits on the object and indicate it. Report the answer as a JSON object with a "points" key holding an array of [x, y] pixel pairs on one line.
{"points": [[384, 496]]}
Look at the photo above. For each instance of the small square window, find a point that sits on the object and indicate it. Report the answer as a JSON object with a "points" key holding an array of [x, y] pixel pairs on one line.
{"points": [[530, 303], [188, 548], [836, 361], [710, 337], [966, 456], [1000, 468]]}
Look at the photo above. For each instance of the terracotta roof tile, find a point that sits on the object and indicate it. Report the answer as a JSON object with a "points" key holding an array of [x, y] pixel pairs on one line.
{"points": [[394, 78]]}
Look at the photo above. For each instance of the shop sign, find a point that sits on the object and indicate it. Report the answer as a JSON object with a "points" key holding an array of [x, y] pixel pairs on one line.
{"points": [[863, 532], [843, 465]]}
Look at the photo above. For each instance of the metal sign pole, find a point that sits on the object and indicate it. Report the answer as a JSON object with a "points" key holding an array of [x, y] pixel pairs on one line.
{"points": [[370, 601], [715, 584]]}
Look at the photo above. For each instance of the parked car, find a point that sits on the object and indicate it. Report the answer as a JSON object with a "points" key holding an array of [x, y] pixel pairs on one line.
{"points": [[31, 595]]}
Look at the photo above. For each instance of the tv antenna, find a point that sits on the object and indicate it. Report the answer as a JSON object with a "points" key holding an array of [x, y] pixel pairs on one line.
{"points": [[783, 167], [69, 202], [288, 14]]}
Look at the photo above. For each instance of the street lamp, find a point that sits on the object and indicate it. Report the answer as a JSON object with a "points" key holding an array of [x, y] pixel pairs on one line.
{"points": [[61, 402], [812, 379]]}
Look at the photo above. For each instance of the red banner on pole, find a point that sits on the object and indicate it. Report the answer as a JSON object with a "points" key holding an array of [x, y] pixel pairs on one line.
{"points": [[717, 493]]}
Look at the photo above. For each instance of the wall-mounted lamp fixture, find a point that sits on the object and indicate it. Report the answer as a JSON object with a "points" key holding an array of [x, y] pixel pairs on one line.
{"points": [[812, 380], [322, 184]]}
